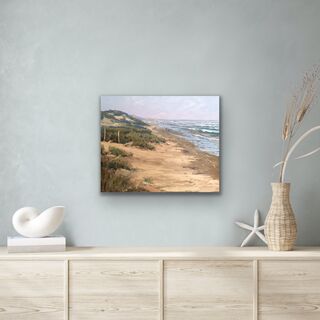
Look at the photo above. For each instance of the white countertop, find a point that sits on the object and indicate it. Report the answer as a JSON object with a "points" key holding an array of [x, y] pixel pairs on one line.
{"points": [[167, 253]]}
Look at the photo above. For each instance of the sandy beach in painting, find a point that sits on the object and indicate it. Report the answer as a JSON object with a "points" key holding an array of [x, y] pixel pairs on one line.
{"points": [[171, 167], [156, 155]]}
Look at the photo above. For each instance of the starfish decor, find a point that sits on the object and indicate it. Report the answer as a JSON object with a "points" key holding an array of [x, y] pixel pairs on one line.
{"points": [[254, 230]]}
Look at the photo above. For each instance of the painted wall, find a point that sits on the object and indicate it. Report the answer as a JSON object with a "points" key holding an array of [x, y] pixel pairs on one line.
{"points": [[57, 57]]}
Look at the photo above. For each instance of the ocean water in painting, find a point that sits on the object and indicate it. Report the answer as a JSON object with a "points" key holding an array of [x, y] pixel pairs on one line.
{"points": [[204, 134]]}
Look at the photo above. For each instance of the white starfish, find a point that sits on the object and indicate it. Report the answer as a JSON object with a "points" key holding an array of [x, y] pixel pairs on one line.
{"points": [[255, 229]]}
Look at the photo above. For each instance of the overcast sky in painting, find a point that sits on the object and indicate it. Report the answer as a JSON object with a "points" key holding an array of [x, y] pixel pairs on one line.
{"points": [[165, 107]]}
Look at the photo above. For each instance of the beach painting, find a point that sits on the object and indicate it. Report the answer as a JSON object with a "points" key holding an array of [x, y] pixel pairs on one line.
{"points": [[160, 143]]}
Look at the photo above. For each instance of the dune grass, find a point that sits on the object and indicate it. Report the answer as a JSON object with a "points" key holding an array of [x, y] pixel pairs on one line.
{"points": [[117, 163], [119, 152], [139, 137], [114, 181], [147, 180]]}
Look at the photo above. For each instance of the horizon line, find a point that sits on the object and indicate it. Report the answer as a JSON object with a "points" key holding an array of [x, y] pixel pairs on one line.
{"points": [[149, 118]]}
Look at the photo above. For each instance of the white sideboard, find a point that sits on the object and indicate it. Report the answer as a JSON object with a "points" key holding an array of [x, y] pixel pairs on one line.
{"points": [[188, 283]]}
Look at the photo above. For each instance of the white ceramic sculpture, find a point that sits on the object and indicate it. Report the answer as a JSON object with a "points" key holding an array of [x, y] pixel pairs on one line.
{"points": [[32, 224]]}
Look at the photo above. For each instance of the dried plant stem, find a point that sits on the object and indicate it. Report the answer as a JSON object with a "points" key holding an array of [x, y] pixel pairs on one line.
{"points": [[288, 145], [299, 106], [294, 146]]}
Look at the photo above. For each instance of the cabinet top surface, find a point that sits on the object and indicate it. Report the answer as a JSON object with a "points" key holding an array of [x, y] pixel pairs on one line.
{"points": [[167, 253]]}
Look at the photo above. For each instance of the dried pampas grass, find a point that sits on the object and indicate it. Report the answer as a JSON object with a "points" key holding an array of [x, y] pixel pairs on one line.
{"points": [[300, 105]]}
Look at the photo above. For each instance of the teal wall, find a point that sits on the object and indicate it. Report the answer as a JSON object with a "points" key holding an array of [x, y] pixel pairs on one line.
{"points": [[57, 57]]}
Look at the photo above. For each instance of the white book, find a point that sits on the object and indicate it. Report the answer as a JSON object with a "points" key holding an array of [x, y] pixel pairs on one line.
{"points": [[46, 244]]}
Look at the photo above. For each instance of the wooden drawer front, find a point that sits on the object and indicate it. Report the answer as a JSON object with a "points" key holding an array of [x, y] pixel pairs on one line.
{"points": [[114, 290], [207, 290], [289, 290], [31, 290]]}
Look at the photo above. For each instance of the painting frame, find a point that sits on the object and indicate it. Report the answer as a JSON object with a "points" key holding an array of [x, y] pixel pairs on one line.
{"points": [[160, 144]]}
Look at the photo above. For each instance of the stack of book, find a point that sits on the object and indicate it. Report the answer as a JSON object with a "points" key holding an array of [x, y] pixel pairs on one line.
{"points": [[46, 244]]}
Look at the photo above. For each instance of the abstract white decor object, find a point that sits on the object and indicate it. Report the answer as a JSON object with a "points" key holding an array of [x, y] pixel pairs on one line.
{"points": [[30, 223], [255, 229]]}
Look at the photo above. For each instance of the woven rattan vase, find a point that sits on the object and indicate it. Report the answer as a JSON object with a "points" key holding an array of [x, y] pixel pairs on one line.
{"points": [[280, 225]]}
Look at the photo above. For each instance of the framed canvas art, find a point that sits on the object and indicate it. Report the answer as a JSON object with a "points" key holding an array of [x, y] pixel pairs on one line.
{"points": [[160, 143]]}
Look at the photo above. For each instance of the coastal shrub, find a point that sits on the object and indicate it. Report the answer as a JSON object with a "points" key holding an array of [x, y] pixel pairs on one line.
{"points": [[116, 164], [119, 152], [140, 137], [113, 181], [156, 139], [147, 180], [143, 145]]}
